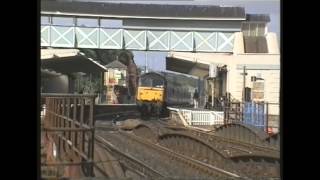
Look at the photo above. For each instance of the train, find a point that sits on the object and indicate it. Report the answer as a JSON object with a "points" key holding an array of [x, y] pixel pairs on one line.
{"points": [[157, 90]]}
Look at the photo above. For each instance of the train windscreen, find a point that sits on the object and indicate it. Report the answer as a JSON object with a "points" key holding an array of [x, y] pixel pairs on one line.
{"points": [[152, 81]]}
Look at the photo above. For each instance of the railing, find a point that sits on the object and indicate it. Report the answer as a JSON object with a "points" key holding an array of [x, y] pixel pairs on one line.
{"points": [[264, 116], [196, 117], [218, 117], [206, 118], [68, 130], [187, 114], [232, 112]]}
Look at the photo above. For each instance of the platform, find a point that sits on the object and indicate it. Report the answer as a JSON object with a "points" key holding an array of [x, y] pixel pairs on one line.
{"points": [[106, 110]]}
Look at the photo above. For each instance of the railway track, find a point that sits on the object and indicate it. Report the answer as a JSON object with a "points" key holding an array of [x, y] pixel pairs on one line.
{"points": [[240, 158], [127, 160], [253, 160], [242, 146], [167, 162], [234, 147]]}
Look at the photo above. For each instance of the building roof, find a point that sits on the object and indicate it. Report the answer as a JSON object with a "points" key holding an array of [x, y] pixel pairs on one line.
{"points": [[186, 66], [69, 61], [116, 64], [156, 11], [55, 53]]}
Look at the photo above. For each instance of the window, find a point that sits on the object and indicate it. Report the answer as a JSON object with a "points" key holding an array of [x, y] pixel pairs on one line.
{"points": [[45, 20], [87, 22], [63, 21], [147, 82], [111, 23], [151, 80]]}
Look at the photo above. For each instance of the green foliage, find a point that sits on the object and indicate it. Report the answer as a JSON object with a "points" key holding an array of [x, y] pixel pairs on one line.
{"points": [[105, 56], [87, 84]]}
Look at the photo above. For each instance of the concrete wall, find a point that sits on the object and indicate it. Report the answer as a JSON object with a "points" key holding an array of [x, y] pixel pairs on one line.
{"points": [[272, 41], [238, 44]]}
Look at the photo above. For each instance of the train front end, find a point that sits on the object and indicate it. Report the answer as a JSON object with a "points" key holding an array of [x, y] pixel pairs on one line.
{"points": [[151, 94]]}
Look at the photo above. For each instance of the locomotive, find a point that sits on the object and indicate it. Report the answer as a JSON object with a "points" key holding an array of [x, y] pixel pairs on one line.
{"points": [[157, 90]]}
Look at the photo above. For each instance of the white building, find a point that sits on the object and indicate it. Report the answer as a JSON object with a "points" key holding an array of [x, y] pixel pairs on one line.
{"points": [[255, 49]]}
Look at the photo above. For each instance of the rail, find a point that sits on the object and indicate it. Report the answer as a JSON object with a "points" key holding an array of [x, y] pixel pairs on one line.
{"points": [[129, 161], [196, 164]]}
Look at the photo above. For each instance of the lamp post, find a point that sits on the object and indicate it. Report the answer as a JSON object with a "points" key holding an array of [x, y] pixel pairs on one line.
{"points": [[212, 76], [244, 83], [243, 91], [146, 62]]}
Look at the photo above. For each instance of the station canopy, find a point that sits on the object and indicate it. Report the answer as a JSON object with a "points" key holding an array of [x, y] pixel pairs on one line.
{"points": [[187, 65], [68, 61]]}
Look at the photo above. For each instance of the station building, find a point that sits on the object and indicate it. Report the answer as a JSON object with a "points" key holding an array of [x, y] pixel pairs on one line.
{"points": [[251, 72], [229, 49]]}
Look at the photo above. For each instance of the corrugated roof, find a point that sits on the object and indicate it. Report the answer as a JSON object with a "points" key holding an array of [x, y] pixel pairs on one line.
{"points": [[144, 10], [52, 53], [68, 61]]}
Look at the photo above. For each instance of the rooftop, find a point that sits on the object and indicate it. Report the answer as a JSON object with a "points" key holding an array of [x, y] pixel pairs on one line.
{"points": [[145, 10], [116, 64]]}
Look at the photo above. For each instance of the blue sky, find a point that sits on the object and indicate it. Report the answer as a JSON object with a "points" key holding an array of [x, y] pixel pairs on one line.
{"points": [[156, 60]]}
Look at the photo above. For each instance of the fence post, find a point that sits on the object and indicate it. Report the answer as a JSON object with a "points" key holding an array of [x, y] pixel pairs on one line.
{"points": [[225, 115], [91, 143], [243, 110], [267, 116]]}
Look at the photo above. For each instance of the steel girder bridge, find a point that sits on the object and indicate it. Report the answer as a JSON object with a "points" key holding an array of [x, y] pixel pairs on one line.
{"points": [[98, 37]]}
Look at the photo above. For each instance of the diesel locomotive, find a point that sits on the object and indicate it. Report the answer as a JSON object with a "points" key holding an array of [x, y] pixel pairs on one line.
{"points": [[157, 90]]}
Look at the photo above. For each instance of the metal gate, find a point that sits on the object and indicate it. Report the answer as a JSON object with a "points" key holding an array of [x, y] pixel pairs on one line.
{"points": [[254, 113], [68, 135]]}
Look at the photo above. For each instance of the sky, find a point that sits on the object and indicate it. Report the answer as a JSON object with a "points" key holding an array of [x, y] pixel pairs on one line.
{"points": [[156, 60]]}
